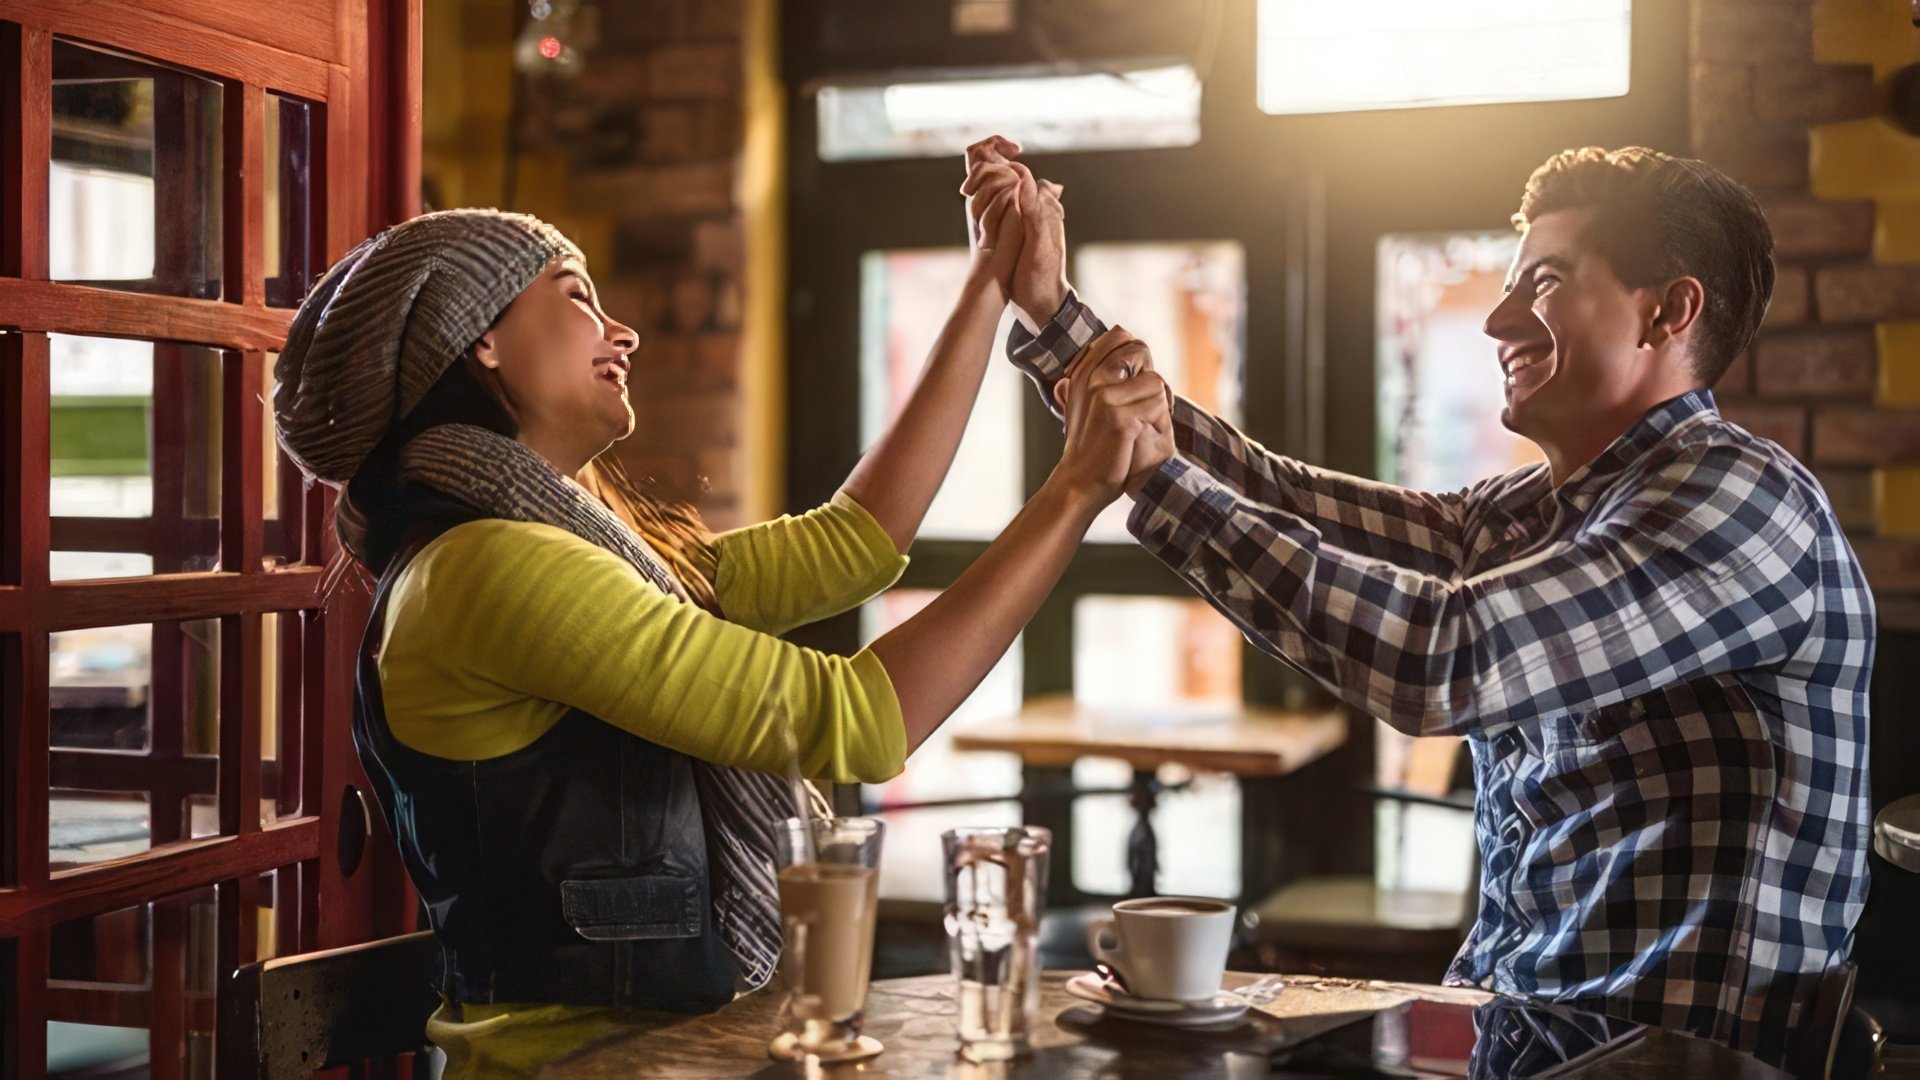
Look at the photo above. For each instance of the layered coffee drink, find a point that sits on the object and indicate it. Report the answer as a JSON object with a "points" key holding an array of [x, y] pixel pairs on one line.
{"points": [[833, 905]]}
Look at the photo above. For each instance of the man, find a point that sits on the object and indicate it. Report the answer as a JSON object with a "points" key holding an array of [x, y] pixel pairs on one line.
{"points": [[1657, 643]]}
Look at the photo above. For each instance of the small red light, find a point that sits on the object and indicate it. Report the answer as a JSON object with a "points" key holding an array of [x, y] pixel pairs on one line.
{"points": [[550, 47]]}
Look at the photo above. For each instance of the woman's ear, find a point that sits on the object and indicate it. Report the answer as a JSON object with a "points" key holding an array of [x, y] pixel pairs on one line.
{"points": [[485, 353]]}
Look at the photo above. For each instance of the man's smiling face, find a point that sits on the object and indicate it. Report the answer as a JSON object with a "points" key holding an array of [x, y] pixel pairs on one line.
{"points": [[1568, 331]]}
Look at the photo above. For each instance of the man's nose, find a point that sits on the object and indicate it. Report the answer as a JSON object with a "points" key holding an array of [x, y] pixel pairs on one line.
{"points": [[1510, 320]]}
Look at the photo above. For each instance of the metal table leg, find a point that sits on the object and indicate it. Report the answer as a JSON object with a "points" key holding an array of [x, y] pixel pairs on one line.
{"points": [[1143, 848]]}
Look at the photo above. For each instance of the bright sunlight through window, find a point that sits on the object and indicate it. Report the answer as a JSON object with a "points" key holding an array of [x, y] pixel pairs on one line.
{"points": [[1318, 57], [1095, 111]]}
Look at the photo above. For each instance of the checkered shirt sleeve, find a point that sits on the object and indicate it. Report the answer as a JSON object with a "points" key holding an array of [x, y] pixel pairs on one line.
{"points": [[1709, 565], [1416, 529]]}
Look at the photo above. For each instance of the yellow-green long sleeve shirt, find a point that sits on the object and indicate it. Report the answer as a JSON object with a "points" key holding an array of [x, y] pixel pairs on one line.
{"points": [[497, 628]]}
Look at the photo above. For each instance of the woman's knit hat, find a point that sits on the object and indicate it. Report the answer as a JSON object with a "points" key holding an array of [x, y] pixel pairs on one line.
{"points": [[388, 319]]}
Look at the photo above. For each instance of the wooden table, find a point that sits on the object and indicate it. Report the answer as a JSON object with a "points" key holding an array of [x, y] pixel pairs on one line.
{"points": [[1263, 748], [914, 1019]]}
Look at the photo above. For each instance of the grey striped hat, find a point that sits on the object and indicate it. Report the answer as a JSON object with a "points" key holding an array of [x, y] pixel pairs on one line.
{"points": [[388, 319]]}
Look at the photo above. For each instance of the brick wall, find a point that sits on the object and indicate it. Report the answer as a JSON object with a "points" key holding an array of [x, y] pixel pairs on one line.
{"points": [[637, 158], [1832, 376]]}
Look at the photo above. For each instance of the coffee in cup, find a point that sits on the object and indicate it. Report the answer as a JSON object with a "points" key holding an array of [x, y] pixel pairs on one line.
{"points": [[1169, 947]]}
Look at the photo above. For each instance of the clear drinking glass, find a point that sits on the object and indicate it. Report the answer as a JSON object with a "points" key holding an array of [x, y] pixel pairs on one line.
{"points": [[829, 891], [996, 893]]}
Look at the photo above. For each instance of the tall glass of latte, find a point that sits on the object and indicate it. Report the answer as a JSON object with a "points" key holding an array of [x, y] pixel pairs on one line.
{"points": [[829, 891]]}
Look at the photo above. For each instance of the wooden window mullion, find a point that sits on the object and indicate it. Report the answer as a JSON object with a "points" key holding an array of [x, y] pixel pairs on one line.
{"points": [[23, 1028], [242, 511], [166, 1031], [26, 148], [243, 119], [23, 366], [167, 732]]}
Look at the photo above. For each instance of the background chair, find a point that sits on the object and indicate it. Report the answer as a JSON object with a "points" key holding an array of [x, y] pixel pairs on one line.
{"points": [[1379, 926], [285, 1018]]}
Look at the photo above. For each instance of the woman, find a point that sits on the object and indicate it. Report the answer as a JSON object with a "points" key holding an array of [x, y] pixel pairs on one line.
{"points": [[581, 732]]}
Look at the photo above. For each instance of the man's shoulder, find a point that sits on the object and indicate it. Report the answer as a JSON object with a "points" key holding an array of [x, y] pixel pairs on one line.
{"points": [[1712, 452]]}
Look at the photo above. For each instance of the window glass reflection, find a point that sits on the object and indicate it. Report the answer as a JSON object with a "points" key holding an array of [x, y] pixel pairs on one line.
{"points": [[1437, 374], [134, 738], [1316, 57], [1139, 109], [292, 250], [1187, 301], [905, 297], [134, 439], [134, 182]]}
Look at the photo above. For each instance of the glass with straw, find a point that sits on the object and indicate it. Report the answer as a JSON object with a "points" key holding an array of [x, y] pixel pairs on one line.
{"points": [[829, 880], [996, 893]]}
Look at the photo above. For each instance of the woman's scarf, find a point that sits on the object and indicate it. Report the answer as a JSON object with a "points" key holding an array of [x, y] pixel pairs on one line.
{"points": [[740, 808]]}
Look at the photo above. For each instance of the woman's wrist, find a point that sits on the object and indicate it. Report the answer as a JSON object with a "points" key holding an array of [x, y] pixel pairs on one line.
{"points": [[983, 285], [1072, 498]]}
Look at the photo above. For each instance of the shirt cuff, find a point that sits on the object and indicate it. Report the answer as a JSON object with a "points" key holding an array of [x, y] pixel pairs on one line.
{"points": [[1045, 356], [1179, 509]]}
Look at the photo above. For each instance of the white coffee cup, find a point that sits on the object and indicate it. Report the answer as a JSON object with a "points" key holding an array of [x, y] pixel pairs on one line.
{"points": [[1168, 947]]}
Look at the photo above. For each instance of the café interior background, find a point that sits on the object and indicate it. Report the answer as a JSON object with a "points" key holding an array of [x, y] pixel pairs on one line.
{"points": [[704, 151], [1302, 208]]}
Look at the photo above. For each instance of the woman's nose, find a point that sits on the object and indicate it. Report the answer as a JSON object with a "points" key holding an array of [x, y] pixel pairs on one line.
{"points": [[622, 337]]}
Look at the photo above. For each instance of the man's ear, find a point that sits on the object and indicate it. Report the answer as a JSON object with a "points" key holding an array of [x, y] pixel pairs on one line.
{"points": [[1673, 309], [485, 352]]}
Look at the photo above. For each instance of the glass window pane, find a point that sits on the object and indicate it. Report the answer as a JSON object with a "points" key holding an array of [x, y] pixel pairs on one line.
{"points": [[905, 297], [1151, 652], [280, 703], [134, 187], [1164, 660], [176, 938], [1155, 107], [292, 249], [1209, 808], [134, 737], [1187, 300], [936, 770], [134, 433], [94, 826], [1437, 374], [113, 949], [912, 865], [1316, 57], [284, 490]]}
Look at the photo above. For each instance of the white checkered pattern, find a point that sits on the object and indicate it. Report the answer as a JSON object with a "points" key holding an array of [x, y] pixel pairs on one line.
{"points": [[1661, 668]]}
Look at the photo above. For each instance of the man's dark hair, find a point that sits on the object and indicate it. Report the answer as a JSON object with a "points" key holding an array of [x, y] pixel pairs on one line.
{"points": [[1659, 217]]}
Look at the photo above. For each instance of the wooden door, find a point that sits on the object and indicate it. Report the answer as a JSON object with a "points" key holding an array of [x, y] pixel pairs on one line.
{"points": [[178, 790]]}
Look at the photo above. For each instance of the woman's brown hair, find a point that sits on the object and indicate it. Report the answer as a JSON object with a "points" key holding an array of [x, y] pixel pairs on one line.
{"points": [[672, 529]]}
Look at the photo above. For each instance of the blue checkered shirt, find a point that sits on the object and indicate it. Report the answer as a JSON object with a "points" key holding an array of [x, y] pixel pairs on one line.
{"points": [[1660, 666]]}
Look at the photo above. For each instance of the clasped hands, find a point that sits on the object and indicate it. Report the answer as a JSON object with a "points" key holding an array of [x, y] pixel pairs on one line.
{"points": [[1118, 409]]}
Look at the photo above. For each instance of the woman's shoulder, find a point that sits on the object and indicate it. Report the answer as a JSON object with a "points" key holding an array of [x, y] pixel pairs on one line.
{"points": [[490, 547], [478, 564]]}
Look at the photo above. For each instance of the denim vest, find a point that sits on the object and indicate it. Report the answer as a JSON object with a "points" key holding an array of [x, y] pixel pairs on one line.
{"points": [[573, 870]]}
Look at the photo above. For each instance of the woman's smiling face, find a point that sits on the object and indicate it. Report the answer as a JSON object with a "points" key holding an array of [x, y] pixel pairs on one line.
{"points": [[560, 363]]}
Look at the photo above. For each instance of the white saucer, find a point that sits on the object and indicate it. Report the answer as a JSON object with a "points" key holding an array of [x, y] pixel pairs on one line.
{"points": [[1224, 1008]]}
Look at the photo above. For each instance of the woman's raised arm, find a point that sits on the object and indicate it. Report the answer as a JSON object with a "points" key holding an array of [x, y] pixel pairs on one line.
{"points": [[898, 478]]}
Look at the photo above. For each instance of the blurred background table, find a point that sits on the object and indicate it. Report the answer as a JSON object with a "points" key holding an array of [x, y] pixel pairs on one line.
{"points": [[1264, 749]]}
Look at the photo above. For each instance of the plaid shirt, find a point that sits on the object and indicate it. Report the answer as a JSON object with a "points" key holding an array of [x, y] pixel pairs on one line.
{"points": [[1660, 666]]}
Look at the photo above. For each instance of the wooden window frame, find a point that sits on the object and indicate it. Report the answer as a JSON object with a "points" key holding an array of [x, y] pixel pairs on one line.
{"points": [[356, 63]]}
